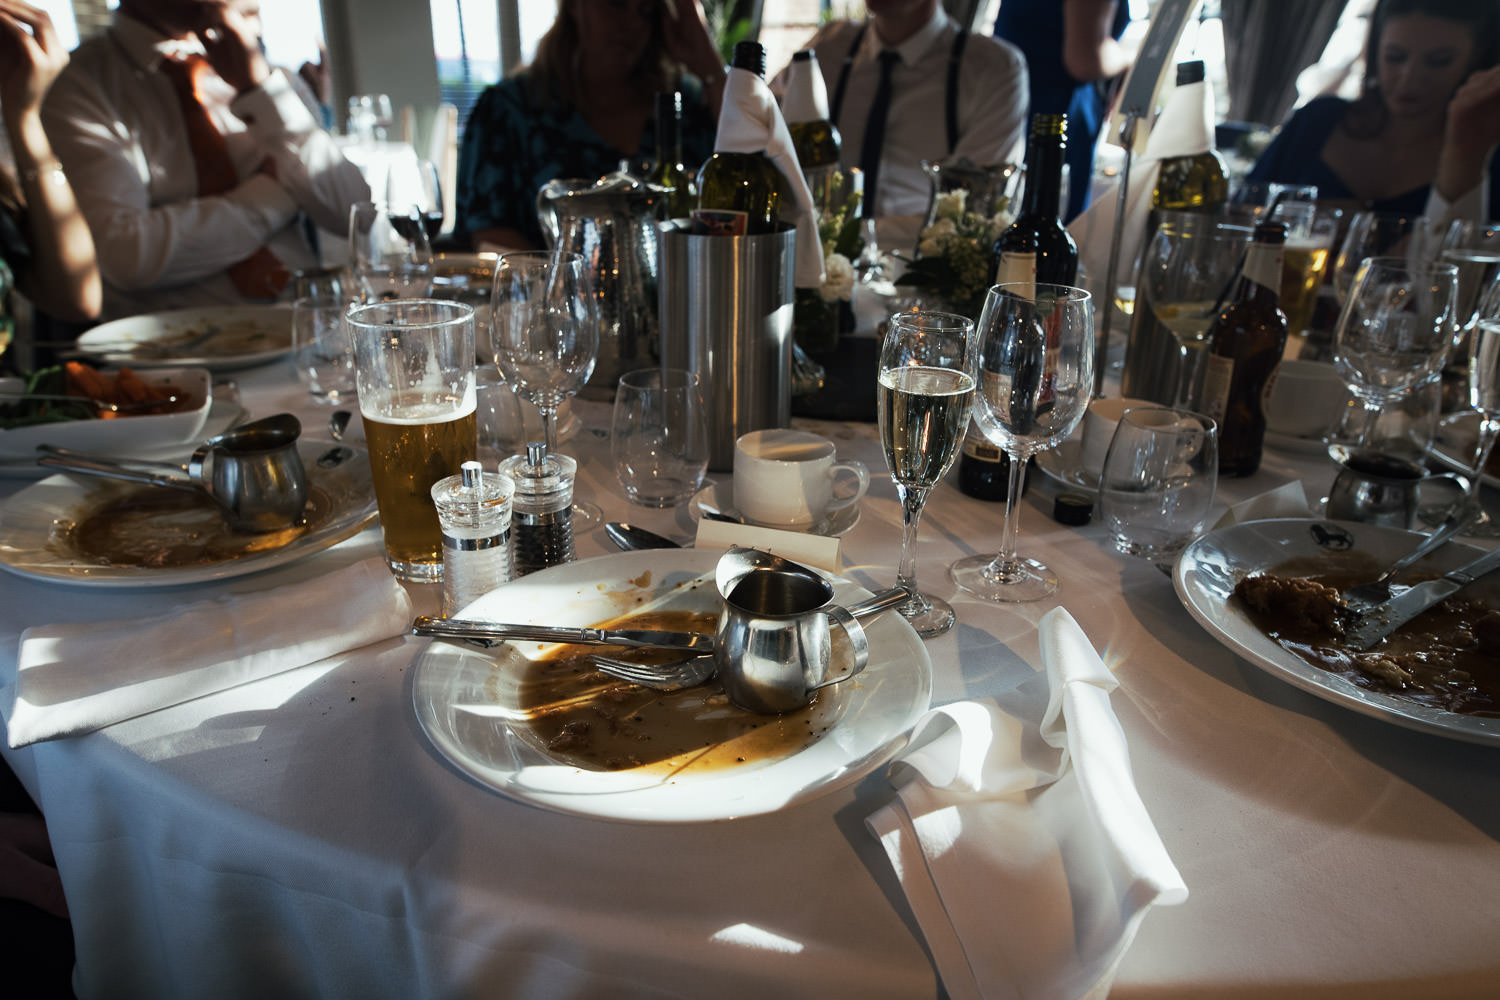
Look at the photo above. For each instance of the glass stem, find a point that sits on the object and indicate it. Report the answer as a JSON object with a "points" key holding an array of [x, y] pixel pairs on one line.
{"points": [[1190, 375], [549, 429], [912, 500], [1366, 437], [1004, 568], [1489, 430]]}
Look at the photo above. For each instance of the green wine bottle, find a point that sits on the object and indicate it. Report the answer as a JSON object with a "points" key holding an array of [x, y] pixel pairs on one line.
{"points": [[668, 173], [814, 137], [739, 193]]}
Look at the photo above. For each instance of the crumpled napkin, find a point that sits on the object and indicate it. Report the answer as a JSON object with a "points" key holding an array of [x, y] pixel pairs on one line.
{"points": [[1027, 881], [74, 679], [758, 126]]}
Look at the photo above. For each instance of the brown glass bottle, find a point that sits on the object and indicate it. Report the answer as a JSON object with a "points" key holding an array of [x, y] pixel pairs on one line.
{"points": [[1245, 345]]}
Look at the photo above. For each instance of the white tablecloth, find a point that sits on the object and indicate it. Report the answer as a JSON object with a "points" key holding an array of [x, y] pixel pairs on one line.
{"points": [[298, 837]]}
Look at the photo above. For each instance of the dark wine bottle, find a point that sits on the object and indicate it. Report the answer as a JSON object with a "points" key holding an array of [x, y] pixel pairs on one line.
{"points": [[1245, 345], [668, 172], [1035, 248], [814, 137], [1193, 181], [739, 193]]}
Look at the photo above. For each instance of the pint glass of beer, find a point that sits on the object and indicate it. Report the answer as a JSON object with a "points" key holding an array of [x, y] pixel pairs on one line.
{"points": [[414, 370]]}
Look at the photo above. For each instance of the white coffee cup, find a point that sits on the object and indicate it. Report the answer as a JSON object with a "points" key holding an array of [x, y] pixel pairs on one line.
{"points": [[1304, 399], [785, 478], [1099, 424]]}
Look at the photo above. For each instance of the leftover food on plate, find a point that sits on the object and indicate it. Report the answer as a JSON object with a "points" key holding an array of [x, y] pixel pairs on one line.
{"points": [[1448, 657]]}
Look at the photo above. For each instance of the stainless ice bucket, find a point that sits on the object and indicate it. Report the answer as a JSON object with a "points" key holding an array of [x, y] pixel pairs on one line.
{"points": [[726, 315]]}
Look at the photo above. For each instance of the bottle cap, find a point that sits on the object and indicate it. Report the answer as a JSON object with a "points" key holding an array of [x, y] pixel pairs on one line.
{"points": [[802, 55], [1189, 72], [1073, 509], [751, 56]]}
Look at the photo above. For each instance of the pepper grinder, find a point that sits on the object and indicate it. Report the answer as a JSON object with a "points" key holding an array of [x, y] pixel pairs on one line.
{"points": [[474, 511], [542, 510]]}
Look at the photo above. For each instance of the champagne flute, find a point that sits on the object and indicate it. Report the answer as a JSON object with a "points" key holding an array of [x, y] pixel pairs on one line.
{"points": [[1036, 355], [544, 331], [928, 369], [1395, 331], [1189, 263]]}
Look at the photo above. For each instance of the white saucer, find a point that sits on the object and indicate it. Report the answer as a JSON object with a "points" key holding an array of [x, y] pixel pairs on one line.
{"points": [[718, 498], [1064, 464]]}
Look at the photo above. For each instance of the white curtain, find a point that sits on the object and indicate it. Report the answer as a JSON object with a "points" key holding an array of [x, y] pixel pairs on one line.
{"points": [[1266, 44]]}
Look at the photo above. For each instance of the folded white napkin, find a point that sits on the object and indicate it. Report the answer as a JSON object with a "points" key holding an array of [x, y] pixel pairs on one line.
{"points": [[808, 549], [74, 679], [758, 126], [1029, 879], [1286, 500]]}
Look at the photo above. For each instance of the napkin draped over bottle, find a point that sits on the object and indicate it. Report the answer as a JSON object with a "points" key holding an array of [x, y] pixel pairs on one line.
{"points": [[1028, 876], [76, 678], [751, 122]]}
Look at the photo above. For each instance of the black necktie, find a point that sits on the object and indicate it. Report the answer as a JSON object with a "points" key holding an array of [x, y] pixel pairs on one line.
{"points": [[869, 152]]}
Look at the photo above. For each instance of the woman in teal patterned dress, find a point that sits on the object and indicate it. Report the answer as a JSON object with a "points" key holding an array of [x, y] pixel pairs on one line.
{"points": [[584, 104]]}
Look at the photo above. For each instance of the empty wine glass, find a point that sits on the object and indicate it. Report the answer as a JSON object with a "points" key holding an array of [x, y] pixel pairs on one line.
{"points": [[1036, 357], [1474, 248], [1395, 331], [390, 253], [1370, 234], [411, 188], [545, 335], [928, 368], [1484, 397], [1189, 264]]}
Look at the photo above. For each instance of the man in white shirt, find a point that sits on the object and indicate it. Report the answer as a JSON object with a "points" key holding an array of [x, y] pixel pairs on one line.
{"points": [[171, 231], [951, 95]]}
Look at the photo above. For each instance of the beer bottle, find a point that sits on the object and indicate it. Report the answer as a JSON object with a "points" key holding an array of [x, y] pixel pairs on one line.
{"points": [[739, 192], [668, 173], [1245, 345], [1035, 248], [814, 137], [1192, 181]]}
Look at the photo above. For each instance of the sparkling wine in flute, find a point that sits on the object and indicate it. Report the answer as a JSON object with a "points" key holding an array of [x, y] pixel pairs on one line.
{"points": [[1303, 265], [408, 453], [923, 414], [1476, 269]]}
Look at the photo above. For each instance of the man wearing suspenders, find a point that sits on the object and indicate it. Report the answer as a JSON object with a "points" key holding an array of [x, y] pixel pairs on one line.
{"points": [[942, 94]]}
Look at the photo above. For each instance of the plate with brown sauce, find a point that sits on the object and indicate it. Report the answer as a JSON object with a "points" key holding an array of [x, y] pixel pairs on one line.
{"points": [[534, 723], [1439, 673], [88, 531]]}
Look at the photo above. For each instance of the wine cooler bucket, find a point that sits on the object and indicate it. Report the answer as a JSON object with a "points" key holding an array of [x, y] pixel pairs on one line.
{"points": [[726, 315]]}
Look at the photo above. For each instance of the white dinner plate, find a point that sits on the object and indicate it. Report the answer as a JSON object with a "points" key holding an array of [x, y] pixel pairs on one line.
{"points": [[1064, 465], [1209, 568], [719, 498], [220, 338], [30, 520], [467, 701]]}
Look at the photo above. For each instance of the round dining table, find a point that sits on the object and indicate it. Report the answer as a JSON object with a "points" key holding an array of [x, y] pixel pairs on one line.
{"points": [[300, 836]]}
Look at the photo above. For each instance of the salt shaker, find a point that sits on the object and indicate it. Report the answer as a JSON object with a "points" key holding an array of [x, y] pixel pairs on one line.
{"points": [[474, 511], [542, 509]]}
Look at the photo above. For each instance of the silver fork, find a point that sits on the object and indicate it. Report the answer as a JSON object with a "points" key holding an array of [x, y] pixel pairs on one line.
{"points": [[672, 676], [1378, 590]]}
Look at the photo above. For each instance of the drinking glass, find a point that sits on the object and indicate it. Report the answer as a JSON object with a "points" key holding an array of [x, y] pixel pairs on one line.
{"points": [[391, 256], [1370, 234], [1395, 331], [1484, 396], [1309, 245], [411, 187], [1158, 482], [414, 369], [1474, 248], [929, 363], [1036, 357], [321, 348], [544, 332], [1188, 267], [659, 436]]}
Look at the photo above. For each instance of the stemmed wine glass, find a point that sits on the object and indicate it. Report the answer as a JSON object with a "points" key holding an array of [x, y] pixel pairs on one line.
{"points": [[1370, 234], [544, 331], [1484, 397], [1394, 332], [1036, 355], [390, 253], [928, 368], [412, 189], [1189, 263]]}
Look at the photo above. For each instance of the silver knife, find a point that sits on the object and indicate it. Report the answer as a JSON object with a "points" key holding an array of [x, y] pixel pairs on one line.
{"points": [[486, 633], [1381, 620]]}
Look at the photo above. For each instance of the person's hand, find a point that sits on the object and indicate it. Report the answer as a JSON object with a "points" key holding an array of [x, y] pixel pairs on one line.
{"points": [[1474, 112], [686, 38], [29, 59], [230, 33]]}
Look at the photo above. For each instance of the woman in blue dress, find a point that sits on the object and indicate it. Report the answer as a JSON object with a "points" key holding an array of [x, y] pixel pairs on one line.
{"points": [[1421, 137], [585, 103]]}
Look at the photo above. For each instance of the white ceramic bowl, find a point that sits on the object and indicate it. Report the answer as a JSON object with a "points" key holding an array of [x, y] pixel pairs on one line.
{"points": [[126, 435]]}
